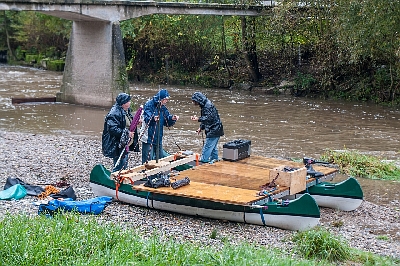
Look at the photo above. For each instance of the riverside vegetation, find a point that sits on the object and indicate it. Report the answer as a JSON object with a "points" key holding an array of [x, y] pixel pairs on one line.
{"points": [[347, 50], [354, 163]]}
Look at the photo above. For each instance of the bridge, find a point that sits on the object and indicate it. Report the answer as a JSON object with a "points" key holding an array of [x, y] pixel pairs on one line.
{"points": [[95, 70]]}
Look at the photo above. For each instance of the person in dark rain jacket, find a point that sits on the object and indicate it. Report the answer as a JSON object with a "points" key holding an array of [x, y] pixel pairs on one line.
{"points": [[155, 117], [117, 121], [211, 124]]}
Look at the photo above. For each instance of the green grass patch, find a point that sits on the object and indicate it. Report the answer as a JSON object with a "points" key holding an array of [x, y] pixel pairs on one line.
{"points": [[357, 164], [320, 244], [382, 237], [71, 239]]}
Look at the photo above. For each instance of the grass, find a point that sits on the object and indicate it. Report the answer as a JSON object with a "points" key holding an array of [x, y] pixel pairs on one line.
{"points": [[71, 239], [354, 163], [320, 244], [382, 237]]}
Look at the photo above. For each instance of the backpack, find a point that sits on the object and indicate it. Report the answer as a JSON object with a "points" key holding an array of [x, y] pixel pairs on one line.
{"points": [[108, 145]]}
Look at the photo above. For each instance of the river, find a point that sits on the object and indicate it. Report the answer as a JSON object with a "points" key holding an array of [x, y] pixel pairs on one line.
{"points": [[278, 126]]}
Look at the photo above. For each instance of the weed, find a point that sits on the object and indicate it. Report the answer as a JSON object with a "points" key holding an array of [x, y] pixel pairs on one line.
{"points": [[357, 164], [318, 243]]}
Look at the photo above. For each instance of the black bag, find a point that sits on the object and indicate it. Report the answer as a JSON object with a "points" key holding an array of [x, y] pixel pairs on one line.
{"points": [[31, 190], [66, 193], [123, 141], [158, 180], [181, 183], [108, 144]]}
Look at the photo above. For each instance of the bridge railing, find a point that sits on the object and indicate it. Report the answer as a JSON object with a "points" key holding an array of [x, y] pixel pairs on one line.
{"points": [[229, 2]]}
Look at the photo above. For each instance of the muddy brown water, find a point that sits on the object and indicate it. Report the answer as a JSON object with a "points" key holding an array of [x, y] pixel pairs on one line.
{"points": [[278, 126]]}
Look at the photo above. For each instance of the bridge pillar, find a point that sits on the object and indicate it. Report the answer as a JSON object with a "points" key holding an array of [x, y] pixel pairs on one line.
{"points": [[95, 69]]}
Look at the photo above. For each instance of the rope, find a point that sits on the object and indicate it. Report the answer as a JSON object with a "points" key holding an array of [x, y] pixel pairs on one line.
{"points": [[262, 216], [147, 199], [119, 181]]}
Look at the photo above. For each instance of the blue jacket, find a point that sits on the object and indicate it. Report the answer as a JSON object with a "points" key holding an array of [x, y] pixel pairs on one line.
{"points": [[148, 131], [209, 119]]}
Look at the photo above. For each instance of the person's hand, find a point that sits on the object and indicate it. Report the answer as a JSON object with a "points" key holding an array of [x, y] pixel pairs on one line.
{"points": [[194, 118], [131, 134], [156, 118], [175, 117], [198, 131]]}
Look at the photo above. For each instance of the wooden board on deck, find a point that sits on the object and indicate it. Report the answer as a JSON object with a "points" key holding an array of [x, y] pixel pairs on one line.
{"points": [[229, 182], [271, 163], [212, 192], [229, 174]]}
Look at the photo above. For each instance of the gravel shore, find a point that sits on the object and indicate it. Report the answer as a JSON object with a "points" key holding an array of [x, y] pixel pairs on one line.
{"points": [[46, 159]]}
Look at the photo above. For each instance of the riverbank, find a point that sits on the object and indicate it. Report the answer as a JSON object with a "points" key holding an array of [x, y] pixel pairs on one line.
{"points": [[47, 159]]}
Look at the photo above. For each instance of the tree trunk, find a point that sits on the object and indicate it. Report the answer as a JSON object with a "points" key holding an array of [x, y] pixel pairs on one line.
{"points": [[249, 48], [10, 51], [224, 48]]}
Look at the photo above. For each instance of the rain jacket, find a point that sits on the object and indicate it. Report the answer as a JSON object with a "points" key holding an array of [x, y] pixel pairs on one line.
{"points": [[114, 125], [209, 119], [148, 131]]}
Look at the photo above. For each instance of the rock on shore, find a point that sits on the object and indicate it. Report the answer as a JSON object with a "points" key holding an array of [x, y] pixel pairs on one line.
{"points": [[47, 159]]}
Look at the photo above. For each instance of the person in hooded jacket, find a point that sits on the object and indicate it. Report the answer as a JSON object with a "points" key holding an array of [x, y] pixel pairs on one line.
{"points": [[211, 124], [155, 117], [116, 125]]}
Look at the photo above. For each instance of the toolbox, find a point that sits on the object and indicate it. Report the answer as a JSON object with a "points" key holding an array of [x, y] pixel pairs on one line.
{"points": [[236, 150]]}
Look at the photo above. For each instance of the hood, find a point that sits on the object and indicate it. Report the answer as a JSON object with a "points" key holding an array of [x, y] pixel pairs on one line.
{"points": [[162, 94], [123, 98], [199, 98]]}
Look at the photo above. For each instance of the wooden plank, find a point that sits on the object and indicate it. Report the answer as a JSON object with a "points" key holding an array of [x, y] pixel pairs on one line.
{"points": [[271, 163], [229, 174], [141, 167], [130, 176], [211, 192], [324, 169]]}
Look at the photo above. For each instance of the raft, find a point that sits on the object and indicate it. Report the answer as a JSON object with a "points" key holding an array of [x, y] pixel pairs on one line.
{"points": [[223, 190]]}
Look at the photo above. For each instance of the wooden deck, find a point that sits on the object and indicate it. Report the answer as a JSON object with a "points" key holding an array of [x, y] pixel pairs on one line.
{"points": [[230, 182]]}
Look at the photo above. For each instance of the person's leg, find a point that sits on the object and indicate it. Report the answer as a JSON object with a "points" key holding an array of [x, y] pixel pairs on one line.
{"points": [[208, 148], [161, 154], [146, 152], [122, 163], [164, 153], [214, 153]]}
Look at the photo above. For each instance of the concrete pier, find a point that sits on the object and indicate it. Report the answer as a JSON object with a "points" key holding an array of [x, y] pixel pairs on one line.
{"points": [[94, 71]]}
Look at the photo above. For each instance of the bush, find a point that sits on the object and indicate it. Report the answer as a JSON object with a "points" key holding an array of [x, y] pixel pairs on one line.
{"points": [[356, 164], [56, 65]]}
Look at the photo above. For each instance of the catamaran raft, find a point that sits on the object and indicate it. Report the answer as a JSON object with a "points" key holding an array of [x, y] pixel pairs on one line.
{"points": [[240, 188]]}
